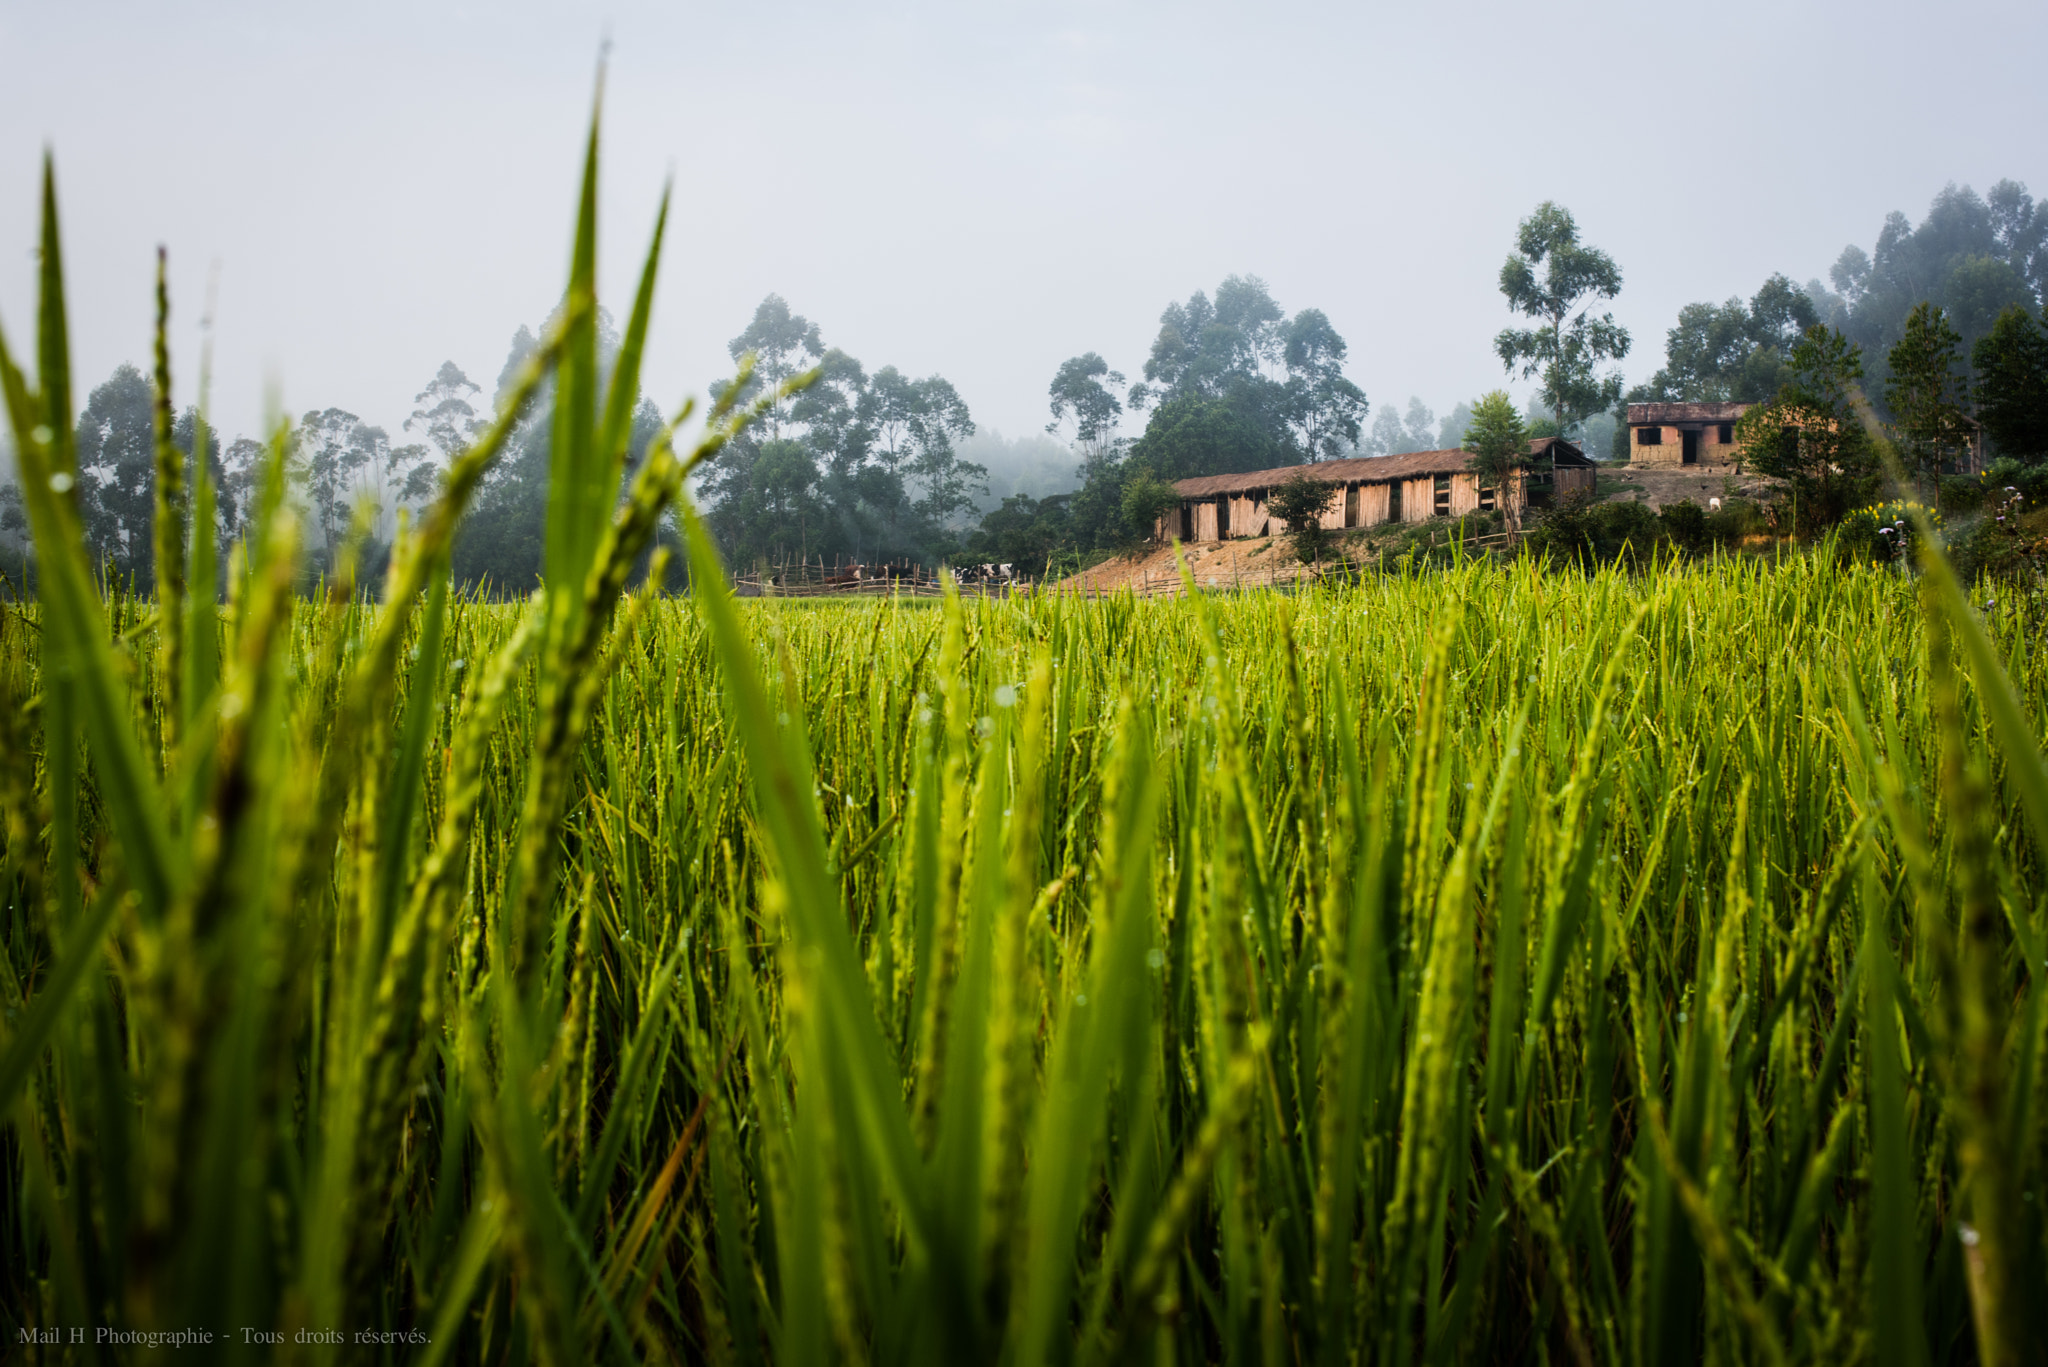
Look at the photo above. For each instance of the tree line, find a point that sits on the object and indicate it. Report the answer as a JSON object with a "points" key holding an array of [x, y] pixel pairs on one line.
{"points": [[1938, 327], [349, 479]]}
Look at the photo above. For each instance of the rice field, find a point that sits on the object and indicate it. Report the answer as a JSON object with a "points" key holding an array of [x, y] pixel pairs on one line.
{"points": [[1486, 964]]}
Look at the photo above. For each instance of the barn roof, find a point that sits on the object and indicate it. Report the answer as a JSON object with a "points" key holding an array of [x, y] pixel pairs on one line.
{"points": [[1366, 469], [1686, 412]]}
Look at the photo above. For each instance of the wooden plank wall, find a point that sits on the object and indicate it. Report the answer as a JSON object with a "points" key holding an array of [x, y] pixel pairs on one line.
{"points": [[1249, 516], [1418, 499], [1373, 502], [1365, 505], [1464, 495]]}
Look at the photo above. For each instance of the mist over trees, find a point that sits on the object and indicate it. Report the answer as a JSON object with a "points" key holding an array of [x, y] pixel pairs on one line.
{"points": [[1734, 351], [1979, 262], [856, 467], [1397, 432], [1973, 257], [1230, 384], [500, 546], [1938, 323], [116, 444]]}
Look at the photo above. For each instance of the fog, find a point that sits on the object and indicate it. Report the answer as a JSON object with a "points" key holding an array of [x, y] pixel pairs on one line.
{"points": [[978, 192]]}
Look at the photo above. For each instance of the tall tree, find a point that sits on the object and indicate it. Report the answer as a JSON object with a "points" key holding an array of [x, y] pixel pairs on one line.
{"points": [[2012, 384], [445, 417], [1451, 435], [857, 465], [893, 412], [1394, 435], [1324, 409], [782, 342], [116, 438], [1926, 392], [1974, 256], [344, 457], [1555, 279], [948, 483], [1499, 443], [915, 423], [1211, 349], [1082, 388], [1733, 351], [241, 468], [116, 448], [1191, 436]]}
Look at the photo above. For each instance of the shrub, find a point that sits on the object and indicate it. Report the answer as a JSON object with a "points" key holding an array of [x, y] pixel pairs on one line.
{"points": [[1300, 503], [1147, 498], [1582, 530], [1885, 533], [1686, 524]]}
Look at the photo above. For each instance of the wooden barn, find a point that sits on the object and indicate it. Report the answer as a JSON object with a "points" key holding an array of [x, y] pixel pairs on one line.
{"points": [[1371, 490]]}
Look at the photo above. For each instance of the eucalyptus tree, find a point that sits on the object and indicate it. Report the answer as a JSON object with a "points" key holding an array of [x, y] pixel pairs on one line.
{"points": [[342, 454], [1734, 351], [782, 344], [1973, 255], [115, 439], [1084, 387], [1556, 280], [1325, 410], [1394, 435], [116, 445]]}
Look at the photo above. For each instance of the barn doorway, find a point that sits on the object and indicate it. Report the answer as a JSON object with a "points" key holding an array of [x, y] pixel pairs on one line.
{"points": [[1689, 453]]}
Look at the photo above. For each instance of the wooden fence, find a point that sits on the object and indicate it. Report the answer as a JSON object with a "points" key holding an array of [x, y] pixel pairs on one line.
{"points": [[884, 579]]}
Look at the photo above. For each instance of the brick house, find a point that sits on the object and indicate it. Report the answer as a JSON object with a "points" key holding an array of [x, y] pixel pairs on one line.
{"points": [[1684, 433]]}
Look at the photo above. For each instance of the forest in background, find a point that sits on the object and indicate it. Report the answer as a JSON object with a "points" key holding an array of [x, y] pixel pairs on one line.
{"points": [[875, 465]]}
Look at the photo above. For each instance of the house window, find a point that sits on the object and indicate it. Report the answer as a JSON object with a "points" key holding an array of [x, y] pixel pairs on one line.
{"points": [[1649, 436], [1727, 433]]}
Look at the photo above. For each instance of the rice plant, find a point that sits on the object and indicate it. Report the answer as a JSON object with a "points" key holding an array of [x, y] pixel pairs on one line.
{"points": [[1469, 965]]}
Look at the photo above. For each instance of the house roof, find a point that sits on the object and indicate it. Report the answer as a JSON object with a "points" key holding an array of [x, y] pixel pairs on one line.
{"points": [[1367, 469], [1558, 449], [1660, 413]]}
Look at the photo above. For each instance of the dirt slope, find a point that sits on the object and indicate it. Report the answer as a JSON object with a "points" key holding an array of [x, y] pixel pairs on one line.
{"points": [[1660, 487], [1219, 564]]}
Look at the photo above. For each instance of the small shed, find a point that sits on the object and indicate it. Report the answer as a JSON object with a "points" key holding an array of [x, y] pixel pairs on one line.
{"points": [[1684, 433], [1372, 490]]}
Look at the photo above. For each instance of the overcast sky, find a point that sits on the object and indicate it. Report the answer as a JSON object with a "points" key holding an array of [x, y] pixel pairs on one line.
{"points": [[975, 190]]}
